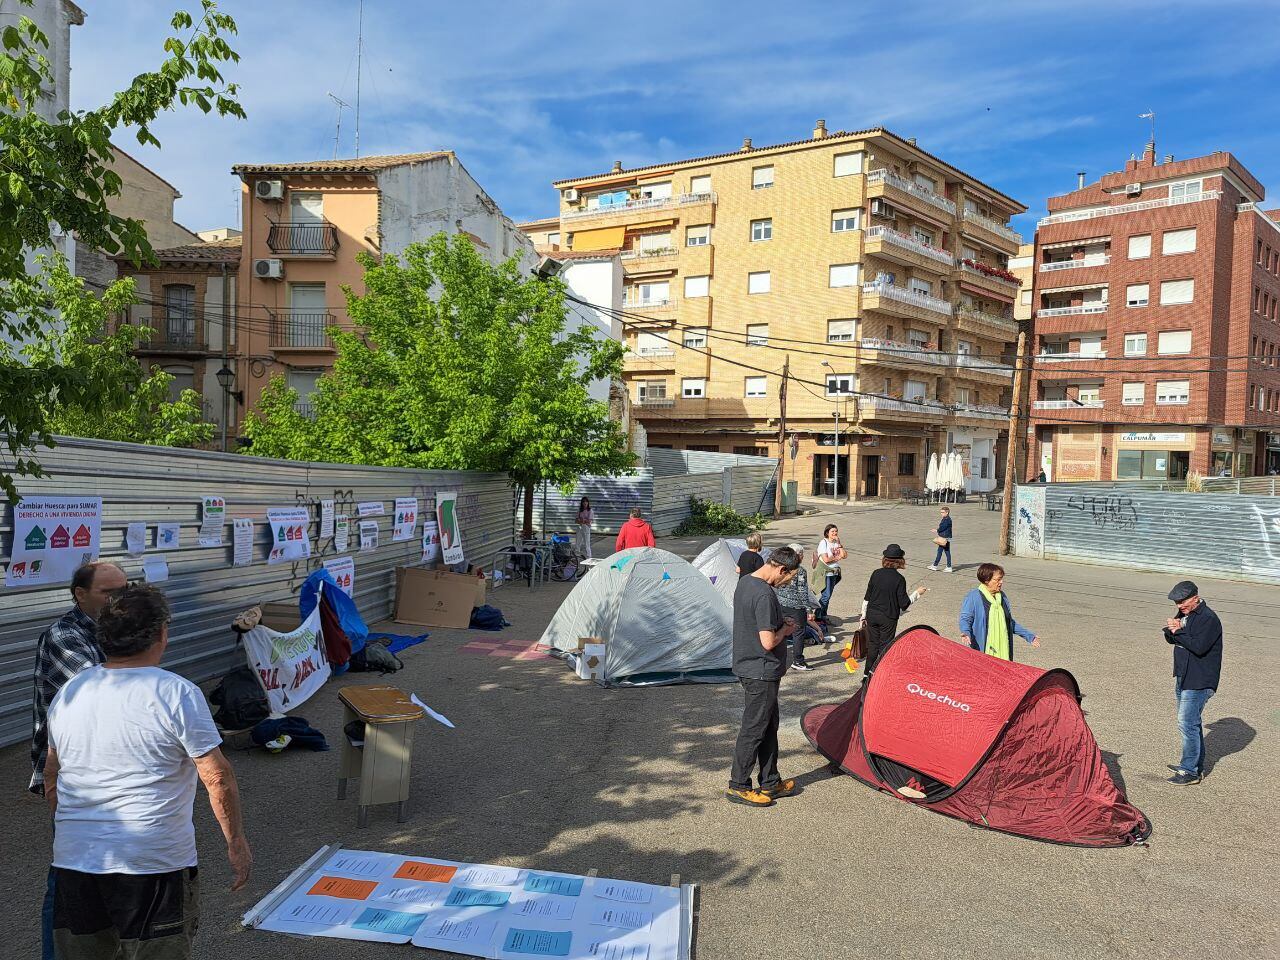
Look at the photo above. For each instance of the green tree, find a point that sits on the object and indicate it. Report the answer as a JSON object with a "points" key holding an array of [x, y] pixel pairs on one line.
{"points": [[56, 173], [455, 364]]}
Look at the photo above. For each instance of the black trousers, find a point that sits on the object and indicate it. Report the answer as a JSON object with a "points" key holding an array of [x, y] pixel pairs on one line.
{"points": [[880, 634], [801, 617], [758, 736]]}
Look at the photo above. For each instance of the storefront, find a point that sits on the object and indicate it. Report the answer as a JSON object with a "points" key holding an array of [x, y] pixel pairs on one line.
{"points": [[1153, 455], [977, 449], [1272, 464], [1224, 460]]}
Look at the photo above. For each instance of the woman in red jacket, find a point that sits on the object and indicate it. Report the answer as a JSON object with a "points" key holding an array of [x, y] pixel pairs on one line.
{"points": [[636, 532]]}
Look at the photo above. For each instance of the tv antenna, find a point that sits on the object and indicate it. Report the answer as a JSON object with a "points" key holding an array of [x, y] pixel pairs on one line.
{"points": [[359, 64], [1150, 115], [337, 133]]}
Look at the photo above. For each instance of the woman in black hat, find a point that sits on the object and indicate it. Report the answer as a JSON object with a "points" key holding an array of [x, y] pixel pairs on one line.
{"points": [[885, 601]]}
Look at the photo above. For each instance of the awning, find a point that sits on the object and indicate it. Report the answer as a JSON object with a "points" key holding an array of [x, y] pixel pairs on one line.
{"points": [[1079, 286], [1073, 243], [603, 238], [650, 225]]}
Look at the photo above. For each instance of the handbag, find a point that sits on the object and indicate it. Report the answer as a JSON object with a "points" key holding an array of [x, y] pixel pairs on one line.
{"points": [[941, 541], [858, 645]]}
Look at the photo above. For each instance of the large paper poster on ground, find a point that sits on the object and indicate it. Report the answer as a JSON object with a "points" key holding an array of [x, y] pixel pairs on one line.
{"points": [[51, 537], [450, 534], [292, 665]]}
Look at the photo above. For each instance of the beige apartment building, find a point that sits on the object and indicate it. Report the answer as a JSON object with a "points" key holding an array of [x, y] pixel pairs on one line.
{"points": [[877, 268]]}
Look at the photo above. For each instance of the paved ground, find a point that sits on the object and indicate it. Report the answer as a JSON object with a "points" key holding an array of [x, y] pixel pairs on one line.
{"points": [[544, 770]]}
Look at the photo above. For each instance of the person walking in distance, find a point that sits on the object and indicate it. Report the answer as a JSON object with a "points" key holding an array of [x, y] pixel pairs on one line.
{"points": [[749, 560], [885, 600], [1196, 636], [759, 661], [636, 532], [942, 537], [127, 741], [986, 616], [582, 539], [826, 569]]}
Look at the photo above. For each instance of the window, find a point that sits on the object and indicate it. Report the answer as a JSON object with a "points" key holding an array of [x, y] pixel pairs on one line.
{"points": [[652, 293], [1026, 298], [650, 390], [749, 451], [962, 396], [183, 379], [1135, 344], [703, 447], [1129, 465], [844, 274], [1190, 190], [917, 285], [305, 231], [695, 337], [847, 164], [914, 390], [841, 331], [651, 343], [970, 253], [754, 387], [761, 177], [843, 221], [553, 239], [1089, 393], [1140, 247], [308, 316], [180, 314], [1173, 342], [926, 183], [656, 191], [1133, 394], [697, 236], [924, 236], [906, 464], [693, 387], [700, 185], [759, 282], [1179, 241], [1172, 391], [1176, 291], [306, 383], [757, 334], [653, 242], [1136, 294], [761, 230], [841, 384], [697, 286]]}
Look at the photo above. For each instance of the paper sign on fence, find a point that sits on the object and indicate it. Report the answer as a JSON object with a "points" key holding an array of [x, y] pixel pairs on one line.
{"points": [[135, 538], [155, 568], [292, 665], [212, 518], [343, 571], [52, 536], [326, 518], [406, 519], [370, 508], [450, 533], [168, 535], [241, 542], [289, 534], [341, 533], [368, 535]]}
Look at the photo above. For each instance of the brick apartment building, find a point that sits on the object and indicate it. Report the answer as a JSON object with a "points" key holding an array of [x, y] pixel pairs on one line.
{"points": [[879, 268], [1156, 326]]}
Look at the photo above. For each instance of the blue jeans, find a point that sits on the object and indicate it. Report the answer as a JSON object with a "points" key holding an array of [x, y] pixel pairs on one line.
{"points": [[941, 551], [824, 600], [1190, 707]]}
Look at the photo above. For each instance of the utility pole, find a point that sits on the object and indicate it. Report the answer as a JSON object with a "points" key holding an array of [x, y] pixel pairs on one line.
{"points": [[782, 436], [1016, 438]]}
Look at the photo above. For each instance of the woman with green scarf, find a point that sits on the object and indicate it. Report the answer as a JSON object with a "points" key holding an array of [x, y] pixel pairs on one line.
{"points": [[983, 631]]}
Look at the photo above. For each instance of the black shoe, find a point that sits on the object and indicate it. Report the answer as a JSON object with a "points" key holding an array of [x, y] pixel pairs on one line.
{"points": [[800, 665], [1177, 769], [1184, 779]]}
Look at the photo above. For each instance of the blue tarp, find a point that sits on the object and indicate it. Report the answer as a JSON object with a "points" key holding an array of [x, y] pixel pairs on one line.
{"points": [[352, 623]]}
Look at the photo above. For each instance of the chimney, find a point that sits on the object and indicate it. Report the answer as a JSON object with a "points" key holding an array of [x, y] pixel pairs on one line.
{"points": [[1079, 179], [1131, 165], [1149, 154], [617, 167], [1168, 158], [820, 130], [746, 143], [911, 140]]}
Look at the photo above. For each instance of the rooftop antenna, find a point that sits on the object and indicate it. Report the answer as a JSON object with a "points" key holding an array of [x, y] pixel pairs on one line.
{"points": [[1150, 115], [338, 130], [359, 64]]}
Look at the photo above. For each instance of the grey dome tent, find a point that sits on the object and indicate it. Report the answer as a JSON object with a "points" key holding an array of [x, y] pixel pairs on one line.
{"points": [[719, 564], [662, 620]]}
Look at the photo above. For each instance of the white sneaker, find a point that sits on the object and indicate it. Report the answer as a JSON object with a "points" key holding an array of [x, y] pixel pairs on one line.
{"points": [[948, 570], [933, 566]]}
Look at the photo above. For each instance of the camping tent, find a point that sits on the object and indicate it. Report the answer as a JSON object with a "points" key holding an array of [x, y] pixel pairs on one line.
{"points": [[998, 744], [662, 620], [719, 564]]}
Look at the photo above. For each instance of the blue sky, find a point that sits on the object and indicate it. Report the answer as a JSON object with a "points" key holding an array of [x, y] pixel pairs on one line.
{"points": [[1021, 95]]}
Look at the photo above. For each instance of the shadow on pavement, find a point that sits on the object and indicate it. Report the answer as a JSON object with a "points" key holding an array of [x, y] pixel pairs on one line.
{"points": [[1225, 737]]}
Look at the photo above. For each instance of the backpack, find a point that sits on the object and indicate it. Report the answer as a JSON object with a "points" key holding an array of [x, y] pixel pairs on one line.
{"points": [[375, 657], [488, 618], [240, 699]]}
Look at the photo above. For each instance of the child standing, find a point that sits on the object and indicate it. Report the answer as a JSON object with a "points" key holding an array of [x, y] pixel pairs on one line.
{"points": [[586, 516], [942, 537]]}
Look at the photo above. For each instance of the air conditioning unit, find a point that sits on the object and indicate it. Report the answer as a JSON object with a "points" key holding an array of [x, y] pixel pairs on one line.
{"points": [[571, 194], [881, 209], [269, 269], [1133, 189], [269, 189]]}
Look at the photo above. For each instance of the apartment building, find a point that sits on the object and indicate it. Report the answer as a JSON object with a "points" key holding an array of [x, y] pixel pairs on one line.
{"points": [[304, 225], [1157, 291], [880, 270], [1023, 266]]}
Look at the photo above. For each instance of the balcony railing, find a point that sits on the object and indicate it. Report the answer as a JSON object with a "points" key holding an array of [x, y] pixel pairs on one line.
{"points": [[1079, 310], [907, 186], [656, 352], [1097, 260], [981, 364], [657, 401], [907, 352], [303, 238], [172, 333], [1010, 282], [302, 328], [1066, 404], [870, 406], [910, 243], [903, 295], [1070, 356], [305, 409], [636, 303], [994, 321], [647, 254], [1073, 215], [644, 203], [982, 411], [1001, 229]]}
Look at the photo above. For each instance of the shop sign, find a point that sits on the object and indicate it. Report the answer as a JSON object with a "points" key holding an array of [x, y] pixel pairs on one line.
{"points": [[1223, 438], [1149, 437], [1273, 439]]}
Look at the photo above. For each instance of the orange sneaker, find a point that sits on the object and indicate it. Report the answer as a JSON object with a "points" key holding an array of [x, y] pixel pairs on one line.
{"points": [[851, 665], [750, 798], [846, 653], [783, 789]]}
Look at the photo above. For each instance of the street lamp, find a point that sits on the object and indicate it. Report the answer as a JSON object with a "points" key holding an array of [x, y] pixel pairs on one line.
{"points": [[835, 453], [226, 379]]}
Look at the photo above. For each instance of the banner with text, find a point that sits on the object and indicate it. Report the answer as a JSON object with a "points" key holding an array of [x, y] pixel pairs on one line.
{"points": [[52, 536], [289, 534], [292, 665], [450, 534]]}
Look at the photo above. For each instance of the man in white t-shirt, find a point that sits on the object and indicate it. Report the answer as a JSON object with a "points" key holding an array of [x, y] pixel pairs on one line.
{"points": [[127, 741]]}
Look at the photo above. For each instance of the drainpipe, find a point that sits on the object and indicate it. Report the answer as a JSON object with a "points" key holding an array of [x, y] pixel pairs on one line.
{"points": [[226, 349]]}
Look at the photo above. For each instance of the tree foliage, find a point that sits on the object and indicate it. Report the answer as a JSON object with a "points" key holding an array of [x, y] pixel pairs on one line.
{"points": [[55, 178], [454, 364]]}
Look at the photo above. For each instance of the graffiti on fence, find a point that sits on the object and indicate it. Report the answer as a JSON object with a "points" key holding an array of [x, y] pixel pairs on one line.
{"points": [[1262, 556], [1110, 511]]}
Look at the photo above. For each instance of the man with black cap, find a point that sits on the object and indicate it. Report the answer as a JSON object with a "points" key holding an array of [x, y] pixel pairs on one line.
{"points": [[1196, 635]]}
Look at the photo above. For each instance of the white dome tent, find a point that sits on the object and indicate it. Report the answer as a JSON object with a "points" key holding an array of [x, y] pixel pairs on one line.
{"points": [[719, 564]]}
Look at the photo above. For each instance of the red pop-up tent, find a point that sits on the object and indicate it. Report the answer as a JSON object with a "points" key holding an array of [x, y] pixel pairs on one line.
{"points": [[999, 744]]}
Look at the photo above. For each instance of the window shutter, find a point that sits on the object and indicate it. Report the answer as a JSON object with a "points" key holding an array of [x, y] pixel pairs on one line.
{"points": [[1176, 291], [847, 164], [844, 274], [1179, 241], [1140, 247], [1134, 392], [700, 185], [758, 282], [1174, 341], [762, 176], [696, 286], [1137, 294], [841, 330]]}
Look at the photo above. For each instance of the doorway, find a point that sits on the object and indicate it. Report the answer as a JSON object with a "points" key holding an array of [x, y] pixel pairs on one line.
{"points": [[825, 481], [870, 475]]}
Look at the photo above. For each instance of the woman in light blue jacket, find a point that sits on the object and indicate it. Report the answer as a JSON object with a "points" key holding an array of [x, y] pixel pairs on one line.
{"points": [[979, 629]]}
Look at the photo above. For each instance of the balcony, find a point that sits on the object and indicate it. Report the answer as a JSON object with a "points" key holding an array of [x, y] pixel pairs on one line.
{"points": [[301, 330], [647, 261], [172, 335], [1080, 310], [973, 223], [882, 179], [654, 402], [1073, 215], [980, 411], [991, 280], [892, 245], [641, 205], [649, 305], [1097, 260], [1069, 357], [986, 324], [968, 364], [890, 298], [894, 354], [305, 409], [649, 360], [885, 408], [298, 238], [1066, 404], [655, 253]]}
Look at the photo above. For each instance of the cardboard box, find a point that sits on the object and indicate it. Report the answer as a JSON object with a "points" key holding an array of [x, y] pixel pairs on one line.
{"points": [[583, 641], [436, 598], [591, 661]]}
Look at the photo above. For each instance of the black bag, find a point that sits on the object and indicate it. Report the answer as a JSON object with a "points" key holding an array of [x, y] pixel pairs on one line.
{"points": [[240, 699], [375, 658]]}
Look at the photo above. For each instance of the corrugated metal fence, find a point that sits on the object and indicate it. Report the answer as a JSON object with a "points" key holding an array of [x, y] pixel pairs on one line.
{"points": [[1183, 533], [157, 484]]}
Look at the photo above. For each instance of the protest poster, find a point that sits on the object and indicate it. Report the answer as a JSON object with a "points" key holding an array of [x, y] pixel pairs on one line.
{"points": [[289, 534], [343, 571], [155, 568], [241, 542], [292, 665], [326, 518], [213, 516], [168, 535], [430, 541], [406, 519], [368, 535], [370, 508], [341, 532], [52, 536], [450, 534], [135, 538]]}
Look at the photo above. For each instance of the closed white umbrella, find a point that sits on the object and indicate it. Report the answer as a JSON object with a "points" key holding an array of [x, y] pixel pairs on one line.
{"points": [[931, 474], [955, 473]]}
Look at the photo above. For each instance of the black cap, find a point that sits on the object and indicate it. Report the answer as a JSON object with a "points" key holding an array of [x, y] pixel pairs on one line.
{"points": [[1183, 590], [893, 552]]}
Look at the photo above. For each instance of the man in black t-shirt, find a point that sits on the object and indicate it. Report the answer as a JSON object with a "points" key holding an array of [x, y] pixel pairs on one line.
{"points": [[759, 661]]}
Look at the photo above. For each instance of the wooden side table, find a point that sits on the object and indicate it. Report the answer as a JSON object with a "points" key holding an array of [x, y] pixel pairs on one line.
{"points": [[384, 763]]}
